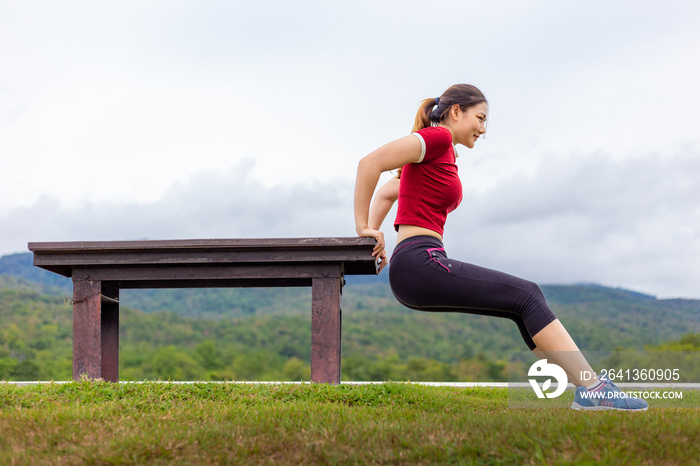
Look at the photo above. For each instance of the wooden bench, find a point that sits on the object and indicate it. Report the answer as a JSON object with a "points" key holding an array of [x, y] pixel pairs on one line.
{"points": [[100, 269]]}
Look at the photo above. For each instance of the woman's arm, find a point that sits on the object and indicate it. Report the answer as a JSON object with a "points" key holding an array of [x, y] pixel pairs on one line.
{"points": [[382, 202], [389, 157]]}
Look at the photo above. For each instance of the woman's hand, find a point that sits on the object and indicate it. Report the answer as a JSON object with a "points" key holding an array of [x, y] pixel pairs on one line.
{"points": [[379, 251]]}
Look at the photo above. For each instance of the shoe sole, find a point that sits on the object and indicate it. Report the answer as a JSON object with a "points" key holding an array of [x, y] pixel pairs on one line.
{"points": [[578, 407]]}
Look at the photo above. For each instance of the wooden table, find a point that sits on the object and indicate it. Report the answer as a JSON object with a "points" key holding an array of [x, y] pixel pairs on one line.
{"points": [[99, 269]]}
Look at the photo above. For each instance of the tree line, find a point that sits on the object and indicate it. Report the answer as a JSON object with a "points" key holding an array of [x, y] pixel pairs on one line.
{"points": [[381, 339]]}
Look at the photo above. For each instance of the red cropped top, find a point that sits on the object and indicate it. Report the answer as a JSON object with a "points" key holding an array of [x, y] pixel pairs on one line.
{"points": [[430, 188]]}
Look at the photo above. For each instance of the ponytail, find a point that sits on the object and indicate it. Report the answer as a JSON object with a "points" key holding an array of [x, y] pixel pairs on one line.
{"points": [[423, 117]]}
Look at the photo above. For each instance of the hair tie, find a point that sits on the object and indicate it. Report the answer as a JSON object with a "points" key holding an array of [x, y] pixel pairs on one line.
{"points": [[437, 100]]}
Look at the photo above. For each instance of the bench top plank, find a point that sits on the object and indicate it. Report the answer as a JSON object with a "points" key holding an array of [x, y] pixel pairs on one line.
{"points": [[355, 253], [217, 243]]}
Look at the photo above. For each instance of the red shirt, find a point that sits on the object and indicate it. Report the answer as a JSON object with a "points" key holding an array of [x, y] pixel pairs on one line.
{"points": [[430, 188]]}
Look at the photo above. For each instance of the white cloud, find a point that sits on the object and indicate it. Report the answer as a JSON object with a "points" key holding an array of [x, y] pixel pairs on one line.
{"points": [[630, 223], [211, 204]]}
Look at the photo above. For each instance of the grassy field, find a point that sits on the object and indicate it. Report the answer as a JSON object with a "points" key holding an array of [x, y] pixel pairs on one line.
{"points": [[209, 423]]}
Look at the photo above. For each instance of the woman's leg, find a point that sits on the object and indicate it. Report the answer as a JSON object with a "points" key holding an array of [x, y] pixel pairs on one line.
{"points": [[424, 278], [556, 345]]}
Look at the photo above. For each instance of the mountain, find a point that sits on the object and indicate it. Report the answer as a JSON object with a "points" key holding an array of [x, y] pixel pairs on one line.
{"points": [[264, 333], [630, 318], [21, 266]]}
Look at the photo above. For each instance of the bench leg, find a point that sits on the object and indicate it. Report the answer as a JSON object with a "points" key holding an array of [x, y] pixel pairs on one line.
{"points": [[110, 332], [95, 330], [326, 324]]}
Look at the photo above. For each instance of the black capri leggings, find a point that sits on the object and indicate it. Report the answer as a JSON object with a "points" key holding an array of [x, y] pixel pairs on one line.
{"points": [[422, 277]]}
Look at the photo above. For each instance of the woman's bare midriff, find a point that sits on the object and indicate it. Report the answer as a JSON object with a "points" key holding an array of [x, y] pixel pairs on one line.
{"points": [[407, 231]]}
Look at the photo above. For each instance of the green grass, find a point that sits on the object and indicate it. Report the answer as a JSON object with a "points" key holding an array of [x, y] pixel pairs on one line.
{"points": [[209, 423]]}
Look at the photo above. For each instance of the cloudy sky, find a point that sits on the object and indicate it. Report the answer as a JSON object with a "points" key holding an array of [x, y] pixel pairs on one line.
{"points": [[207, 119]]}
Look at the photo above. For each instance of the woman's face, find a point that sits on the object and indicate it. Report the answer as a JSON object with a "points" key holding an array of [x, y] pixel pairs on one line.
{"points": [[469, 124]]}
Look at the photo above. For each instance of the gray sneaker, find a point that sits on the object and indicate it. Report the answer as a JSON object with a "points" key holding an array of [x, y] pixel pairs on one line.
{"points": [[606, 397]]}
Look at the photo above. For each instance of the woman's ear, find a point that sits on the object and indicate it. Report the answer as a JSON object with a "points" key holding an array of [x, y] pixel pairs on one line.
{"points": [[455, 111]]}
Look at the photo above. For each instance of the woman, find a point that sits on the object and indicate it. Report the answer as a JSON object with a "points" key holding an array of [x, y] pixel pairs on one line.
{"points": [[422, 276]]}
